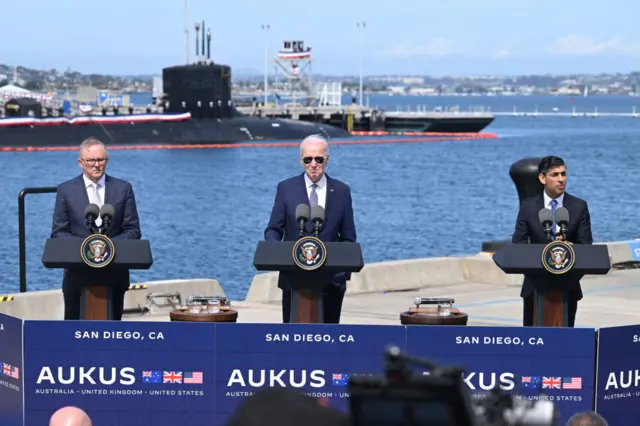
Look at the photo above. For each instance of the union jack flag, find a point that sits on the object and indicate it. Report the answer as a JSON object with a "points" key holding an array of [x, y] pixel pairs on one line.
{"points": [[551, 382], [172, 377]]}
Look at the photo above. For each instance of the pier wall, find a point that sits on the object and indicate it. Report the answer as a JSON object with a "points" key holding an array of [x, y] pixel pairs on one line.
{"points": [[391, 276]]}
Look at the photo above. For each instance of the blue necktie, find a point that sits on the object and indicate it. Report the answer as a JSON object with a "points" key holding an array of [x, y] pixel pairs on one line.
{"points": [[554, 205]]}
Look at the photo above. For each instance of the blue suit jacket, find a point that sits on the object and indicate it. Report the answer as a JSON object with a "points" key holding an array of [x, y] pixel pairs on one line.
{"points": [[69, 221], [529, 230], [339, 224]]}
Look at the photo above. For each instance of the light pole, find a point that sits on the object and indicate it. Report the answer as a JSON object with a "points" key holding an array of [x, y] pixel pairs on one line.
{"points": [[266, 28], [362, 25]]}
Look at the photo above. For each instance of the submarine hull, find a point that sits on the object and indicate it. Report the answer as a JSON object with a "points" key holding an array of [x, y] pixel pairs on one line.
{"points": [[196, 132]]}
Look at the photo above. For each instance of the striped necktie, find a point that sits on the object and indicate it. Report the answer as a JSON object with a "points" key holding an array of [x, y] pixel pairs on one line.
{"points": [[313, 197]]}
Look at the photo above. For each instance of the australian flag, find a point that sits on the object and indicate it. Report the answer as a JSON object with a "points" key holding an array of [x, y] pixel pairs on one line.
{"points": [[340, 379], [151, 376], [531, 382]]}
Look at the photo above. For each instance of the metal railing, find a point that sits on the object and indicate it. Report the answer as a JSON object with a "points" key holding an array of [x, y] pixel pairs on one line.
{"points": [[22, 245]]}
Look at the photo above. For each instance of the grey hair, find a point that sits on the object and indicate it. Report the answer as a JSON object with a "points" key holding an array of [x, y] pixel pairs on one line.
{"points": [[88, 143], [587, 418], [315, 138]]}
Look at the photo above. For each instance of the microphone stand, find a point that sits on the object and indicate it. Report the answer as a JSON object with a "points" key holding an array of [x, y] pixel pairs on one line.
{"points": [[301, 227], [317, 224], [91, 224], [106, 222], [563, 232]]}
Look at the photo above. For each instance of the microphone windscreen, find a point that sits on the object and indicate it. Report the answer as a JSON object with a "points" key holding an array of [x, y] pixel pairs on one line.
{"points": [[545, 215], [317, 213], [562, 215], [302, 212], [107, 210], [92, 210]]}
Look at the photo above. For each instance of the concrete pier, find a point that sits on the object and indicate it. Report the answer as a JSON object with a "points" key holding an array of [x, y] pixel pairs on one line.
{"points": [[380, 292]]}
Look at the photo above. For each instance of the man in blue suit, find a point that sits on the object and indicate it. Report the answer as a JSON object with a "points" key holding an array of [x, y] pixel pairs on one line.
{"points": [[314, 187], [72, 198], [552, 173]]}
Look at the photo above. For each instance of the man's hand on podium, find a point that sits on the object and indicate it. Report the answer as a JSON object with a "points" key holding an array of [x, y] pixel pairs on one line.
{"points": [[559, 238]]}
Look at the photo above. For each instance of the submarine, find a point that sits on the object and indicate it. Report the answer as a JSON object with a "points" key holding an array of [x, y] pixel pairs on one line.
{"points": [[196, 108]]}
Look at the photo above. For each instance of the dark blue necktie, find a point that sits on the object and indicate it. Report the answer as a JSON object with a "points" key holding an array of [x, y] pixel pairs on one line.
{"points": [[554, 205]]}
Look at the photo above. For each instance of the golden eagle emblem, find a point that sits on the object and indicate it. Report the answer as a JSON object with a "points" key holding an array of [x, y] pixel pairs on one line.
{"points": [[559, 256], [309, 253], [98, 249]]}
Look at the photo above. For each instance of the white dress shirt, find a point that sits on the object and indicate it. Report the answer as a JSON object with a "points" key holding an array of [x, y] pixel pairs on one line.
{"points": [[547, 200], [321, 190], [99, 201]]}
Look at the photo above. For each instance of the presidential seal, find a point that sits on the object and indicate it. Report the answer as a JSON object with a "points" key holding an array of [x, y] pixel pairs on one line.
{"points": [[309, 253], [558, 257], [97, 250]]}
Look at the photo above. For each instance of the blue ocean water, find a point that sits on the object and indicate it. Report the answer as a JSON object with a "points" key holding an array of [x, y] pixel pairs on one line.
{"points": [[204, 210]]}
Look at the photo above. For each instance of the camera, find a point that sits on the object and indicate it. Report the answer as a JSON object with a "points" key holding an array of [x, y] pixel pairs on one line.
{"points": [[437, 397]]}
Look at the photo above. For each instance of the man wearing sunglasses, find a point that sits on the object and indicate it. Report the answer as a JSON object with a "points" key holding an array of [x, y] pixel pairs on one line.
{"points": [[315, 188], [93, 186]]}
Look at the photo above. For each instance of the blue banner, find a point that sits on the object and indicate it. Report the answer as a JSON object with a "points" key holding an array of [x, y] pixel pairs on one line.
{"points": [[618, 395], [161, 373], [11, 371], [120, 373], [536, 363], [317, 359]]}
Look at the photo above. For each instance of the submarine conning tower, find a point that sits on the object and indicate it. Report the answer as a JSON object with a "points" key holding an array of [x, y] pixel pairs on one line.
{"points": [[202, 88]]}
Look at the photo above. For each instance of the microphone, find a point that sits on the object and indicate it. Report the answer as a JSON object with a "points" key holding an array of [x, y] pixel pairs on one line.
{"points": [[106, 214], [317, 218], [302, 216], [91, 213], [546, 220], [562, 220]]}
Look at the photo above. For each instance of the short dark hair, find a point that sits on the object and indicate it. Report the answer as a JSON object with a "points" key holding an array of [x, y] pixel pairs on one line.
{"points": [[587, 418], [548, 163]]}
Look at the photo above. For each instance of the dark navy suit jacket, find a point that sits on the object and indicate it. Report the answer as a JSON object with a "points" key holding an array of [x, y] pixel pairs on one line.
{"points": [[530, 230], [339, 224], [69, 221]]}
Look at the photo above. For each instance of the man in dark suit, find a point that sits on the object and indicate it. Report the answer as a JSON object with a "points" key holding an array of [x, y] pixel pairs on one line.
{"points": [[72, 198], [552, 173], [314, 187]]}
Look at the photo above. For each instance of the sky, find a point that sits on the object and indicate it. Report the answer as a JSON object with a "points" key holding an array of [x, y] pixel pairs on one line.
{"points": [[403, 37]]}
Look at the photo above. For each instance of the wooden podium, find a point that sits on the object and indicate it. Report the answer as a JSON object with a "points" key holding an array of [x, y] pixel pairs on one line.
{"points": [[309, 265], [100, 259], [553, 269]]}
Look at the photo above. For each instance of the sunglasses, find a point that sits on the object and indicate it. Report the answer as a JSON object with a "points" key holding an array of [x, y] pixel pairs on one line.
{"points": [[308, 160]]}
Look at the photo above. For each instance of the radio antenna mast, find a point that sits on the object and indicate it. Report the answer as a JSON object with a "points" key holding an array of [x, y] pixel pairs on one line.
{"points": [[186, 34]]}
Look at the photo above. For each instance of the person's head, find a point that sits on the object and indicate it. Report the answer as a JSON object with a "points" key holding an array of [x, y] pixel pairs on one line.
{"points": [[314, 156], [93, 158], [70, 416], [587, 419], [552, 173]]}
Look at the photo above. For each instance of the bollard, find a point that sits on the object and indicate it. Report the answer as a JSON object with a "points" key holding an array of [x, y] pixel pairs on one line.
{"points": [[524, 174]]}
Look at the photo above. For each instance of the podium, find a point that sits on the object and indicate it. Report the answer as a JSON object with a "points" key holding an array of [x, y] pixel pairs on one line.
{"points": [[553, 269], [99, 258], [308, 265]]}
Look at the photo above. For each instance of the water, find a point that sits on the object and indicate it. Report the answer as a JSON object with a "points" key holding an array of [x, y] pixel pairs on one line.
{"points": [[205, 210]]}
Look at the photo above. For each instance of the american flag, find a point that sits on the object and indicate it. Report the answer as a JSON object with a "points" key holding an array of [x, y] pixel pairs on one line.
{"points": [[193, 378], [551, 382], [15, 372], [572, 383], [172, 377]]}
